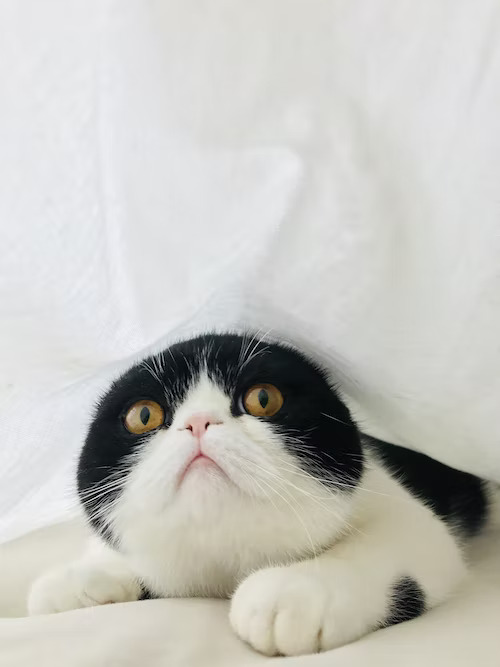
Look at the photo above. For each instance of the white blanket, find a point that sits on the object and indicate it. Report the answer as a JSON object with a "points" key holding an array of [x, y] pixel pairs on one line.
{"points": [[325, 170], [196, 633]]}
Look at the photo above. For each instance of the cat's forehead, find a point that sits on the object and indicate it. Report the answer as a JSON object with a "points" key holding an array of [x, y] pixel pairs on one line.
{"points": [[221, 358], [230, 362], [204, 395]]}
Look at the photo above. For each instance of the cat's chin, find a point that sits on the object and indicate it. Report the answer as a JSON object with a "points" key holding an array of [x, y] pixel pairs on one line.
{"points": [[201, 465], [204, 481]]}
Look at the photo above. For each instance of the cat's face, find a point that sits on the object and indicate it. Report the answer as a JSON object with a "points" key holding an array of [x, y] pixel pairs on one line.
{"points": [[222, 433]]}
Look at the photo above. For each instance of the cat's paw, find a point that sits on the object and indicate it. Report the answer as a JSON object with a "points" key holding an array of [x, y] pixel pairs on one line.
{"points": [[283, 611], [80, 585]]}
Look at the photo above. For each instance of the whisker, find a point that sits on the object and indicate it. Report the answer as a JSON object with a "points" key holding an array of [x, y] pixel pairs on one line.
{"points": [[300, 519], [336, 419], [254, 481], [283, 482], [151, 370]]}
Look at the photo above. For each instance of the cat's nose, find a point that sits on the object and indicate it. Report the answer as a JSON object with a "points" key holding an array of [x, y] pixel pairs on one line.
{"points": [[199, 423]]}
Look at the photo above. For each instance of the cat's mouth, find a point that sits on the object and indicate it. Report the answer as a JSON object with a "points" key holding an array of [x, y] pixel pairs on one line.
{"points": [[198, 462]]}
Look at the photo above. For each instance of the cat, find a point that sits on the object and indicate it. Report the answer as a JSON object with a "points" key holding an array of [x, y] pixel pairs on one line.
{"points": [[229, 466]]}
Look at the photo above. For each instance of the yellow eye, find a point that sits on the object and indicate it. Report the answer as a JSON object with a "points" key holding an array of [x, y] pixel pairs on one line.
{"points": [[263, 400], [144, 416]]}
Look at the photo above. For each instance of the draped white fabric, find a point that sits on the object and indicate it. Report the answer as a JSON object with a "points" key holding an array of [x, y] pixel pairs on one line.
{"points": [[325, 170]]}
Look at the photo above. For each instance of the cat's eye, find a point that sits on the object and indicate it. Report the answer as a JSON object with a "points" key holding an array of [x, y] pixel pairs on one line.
{"points": [[144, 416], [263, 400]]}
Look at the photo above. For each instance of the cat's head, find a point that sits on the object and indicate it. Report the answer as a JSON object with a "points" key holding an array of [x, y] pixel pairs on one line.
{"points": [[225, 433]]}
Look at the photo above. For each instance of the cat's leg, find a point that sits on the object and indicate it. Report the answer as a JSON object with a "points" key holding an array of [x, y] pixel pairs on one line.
{"points": [[100, 576], [399, 562]]}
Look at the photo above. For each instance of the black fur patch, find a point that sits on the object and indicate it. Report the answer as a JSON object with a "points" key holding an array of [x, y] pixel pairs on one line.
{"points": [[313, 422], [408, 602], [457, 497], [147, 594]]}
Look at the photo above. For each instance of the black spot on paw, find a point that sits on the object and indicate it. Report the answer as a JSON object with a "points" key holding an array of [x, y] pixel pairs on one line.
{"points": [[408, 601], [147, 594]]}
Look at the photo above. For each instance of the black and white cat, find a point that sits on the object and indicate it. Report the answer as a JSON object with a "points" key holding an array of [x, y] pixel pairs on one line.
{"points": [[230, 467]]}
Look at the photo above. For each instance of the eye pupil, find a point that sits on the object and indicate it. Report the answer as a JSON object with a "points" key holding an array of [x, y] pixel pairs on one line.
{"points": [[263, 398], [144, 415]]}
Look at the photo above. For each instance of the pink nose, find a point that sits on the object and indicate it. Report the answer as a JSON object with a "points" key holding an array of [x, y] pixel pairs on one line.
{"points": [[199, 423]]}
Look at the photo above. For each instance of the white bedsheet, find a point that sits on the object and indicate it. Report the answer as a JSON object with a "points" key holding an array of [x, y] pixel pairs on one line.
{"points": [[196, 633], [327, 170]]}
